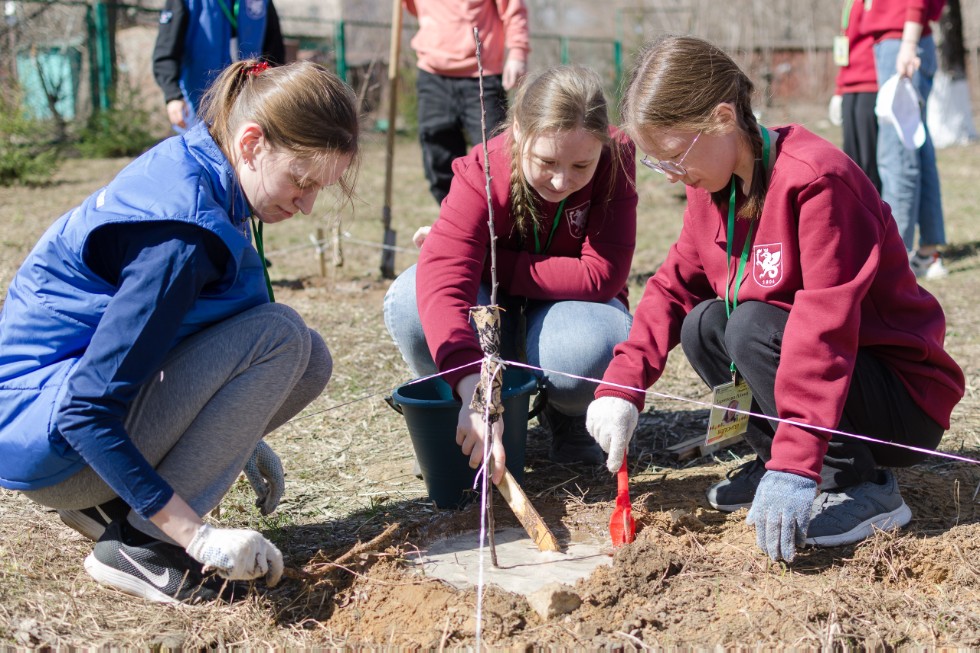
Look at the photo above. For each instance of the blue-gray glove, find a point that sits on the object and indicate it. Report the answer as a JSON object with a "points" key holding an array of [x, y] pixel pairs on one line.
{"points": [[781, 513], [264, 473]]}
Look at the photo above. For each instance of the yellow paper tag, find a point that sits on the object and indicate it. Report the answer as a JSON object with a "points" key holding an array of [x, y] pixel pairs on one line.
{"points": [[842, 51], [723, 422]]}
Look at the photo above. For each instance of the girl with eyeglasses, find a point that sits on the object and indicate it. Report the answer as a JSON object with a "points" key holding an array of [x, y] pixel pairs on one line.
{"points": [[564, 209], [789, 286]]}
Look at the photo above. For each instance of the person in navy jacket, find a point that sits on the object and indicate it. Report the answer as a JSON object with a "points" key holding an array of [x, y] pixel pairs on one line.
{"points": [[197, 39], [141, 359], [789, 276]]}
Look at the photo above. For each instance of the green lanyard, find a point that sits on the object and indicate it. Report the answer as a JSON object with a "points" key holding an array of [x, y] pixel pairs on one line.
{"points": [[260, 246], [845, 16], [748, 238], [554, 227], [230, 14]]}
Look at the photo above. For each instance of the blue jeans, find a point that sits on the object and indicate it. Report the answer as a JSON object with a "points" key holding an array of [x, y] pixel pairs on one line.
{"points": [[566, 336], [910, 178]]}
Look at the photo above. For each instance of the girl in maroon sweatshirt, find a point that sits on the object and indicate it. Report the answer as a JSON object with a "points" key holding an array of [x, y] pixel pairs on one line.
{"points": [[790, 272], [564, 211]]}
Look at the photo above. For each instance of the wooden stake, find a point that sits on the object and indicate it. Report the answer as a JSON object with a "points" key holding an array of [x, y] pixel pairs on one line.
{"points": [[320, 252], [337, 254], [512, 493]]}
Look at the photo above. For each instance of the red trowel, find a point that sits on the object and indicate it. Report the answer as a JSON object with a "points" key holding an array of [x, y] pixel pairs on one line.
{"points": [[622, 527]]}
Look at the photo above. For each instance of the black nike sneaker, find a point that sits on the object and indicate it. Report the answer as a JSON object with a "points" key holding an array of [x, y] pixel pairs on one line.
{"points": [[136, 564]]}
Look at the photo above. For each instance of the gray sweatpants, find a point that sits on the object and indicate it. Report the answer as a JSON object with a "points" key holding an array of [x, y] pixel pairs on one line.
{"points": [[198, 419]]}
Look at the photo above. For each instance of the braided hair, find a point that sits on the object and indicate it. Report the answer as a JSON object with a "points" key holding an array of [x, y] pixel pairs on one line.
{"points": [[562, 98]]}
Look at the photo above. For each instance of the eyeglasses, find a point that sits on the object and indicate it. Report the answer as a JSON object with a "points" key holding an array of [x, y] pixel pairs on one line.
{"points": [[665, 167]]}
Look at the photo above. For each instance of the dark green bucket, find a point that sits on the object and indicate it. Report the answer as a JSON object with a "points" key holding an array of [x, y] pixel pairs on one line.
{"points": [[432, 413]]}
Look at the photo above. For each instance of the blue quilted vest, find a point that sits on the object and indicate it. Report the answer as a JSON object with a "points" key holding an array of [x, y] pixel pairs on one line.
{"points": [[55, 301], [207, 45]]}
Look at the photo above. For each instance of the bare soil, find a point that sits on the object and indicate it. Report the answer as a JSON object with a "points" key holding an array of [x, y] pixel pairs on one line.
{"points": [[353, 509]]}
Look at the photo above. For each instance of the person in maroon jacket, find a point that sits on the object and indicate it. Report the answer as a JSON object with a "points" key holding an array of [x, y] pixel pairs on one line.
{"points": [[564, 211], [789, 276]]}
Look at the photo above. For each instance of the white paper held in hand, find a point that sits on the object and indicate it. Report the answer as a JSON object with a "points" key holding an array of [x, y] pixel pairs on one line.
{"points": [[899, 104]]}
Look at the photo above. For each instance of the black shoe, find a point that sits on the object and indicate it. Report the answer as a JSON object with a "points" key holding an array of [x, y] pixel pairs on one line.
{"points": [[738, 488], [92, 522], [570, 441], [136, 564]]}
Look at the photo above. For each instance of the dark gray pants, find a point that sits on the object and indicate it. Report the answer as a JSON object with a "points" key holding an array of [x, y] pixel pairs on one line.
{"points": [[861, 133], [198, 419], [449, 114], [877, 405]]}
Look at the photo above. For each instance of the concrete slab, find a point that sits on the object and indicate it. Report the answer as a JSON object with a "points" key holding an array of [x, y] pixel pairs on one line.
{"points": [[523, 569]]}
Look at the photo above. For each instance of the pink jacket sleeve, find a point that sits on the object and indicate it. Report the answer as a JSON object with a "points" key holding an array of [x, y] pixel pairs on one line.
{"points": [[513, 13]]}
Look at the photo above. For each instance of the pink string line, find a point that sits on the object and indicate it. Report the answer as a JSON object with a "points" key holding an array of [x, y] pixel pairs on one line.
{"points": [[664, 395], [379, 392], [708, 404]]}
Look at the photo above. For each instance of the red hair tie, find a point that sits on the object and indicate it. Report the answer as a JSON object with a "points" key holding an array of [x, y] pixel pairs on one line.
{"points": [[256, 68]]}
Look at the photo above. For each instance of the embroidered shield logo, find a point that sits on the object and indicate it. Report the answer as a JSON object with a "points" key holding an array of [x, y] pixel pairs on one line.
{"points": [[767, 264], [578, 217]]}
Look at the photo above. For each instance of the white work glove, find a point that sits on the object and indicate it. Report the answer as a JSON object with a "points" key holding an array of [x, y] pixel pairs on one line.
{"points": [[237, 553], [835, 110], [611, 421], [265, 475]]}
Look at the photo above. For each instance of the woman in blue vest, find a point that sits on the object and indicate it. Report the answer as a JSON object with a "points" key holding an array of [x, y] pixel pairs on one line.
{"points": [[141, 359]]}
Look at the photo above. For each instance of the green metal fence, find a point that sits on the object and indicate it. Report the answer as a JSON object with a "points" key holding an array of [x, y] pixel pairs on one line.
{"points": [[359, 51], [68, 47], [42, 37]]}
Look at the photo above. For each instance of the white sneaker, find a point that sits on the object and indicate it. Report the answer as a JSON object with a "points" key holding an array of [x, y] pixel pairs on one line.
{"points": [[929, 266]]}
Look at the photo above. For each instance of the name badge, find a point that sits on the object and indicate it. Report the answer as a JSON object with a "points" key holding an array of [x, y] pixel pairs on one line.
{"points": [[724, 423], [842, 51], [233, 49]]}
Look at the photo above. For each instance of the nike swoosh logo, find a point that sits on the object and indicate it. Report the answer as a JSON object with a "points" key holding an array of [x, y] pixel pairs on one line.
{"points": [[160, 580]]}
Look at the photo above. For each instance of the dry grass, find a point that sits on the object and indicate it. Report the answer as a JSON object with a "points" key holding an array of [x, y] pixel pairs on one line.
{"points": [[694, 577]]}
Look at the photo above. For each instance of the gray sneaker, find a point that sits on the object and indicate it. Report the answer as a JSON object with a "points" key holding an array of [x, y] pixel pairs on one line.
{"points": [[738, 488], [852, 514]]}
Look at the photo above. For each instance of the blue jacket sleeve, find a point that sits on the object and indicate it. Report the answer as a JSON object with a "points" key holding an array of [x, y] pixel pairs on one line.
{"points": [[159, 270]]}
